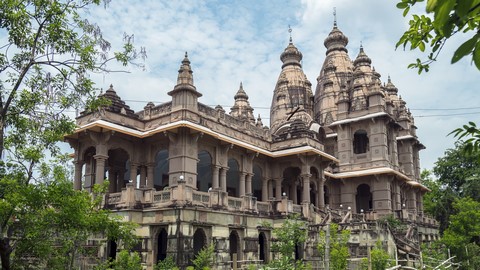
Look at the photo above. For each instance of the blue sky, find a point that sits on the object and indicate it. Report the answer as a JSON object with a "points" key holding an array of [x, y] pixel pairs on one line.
{"points": [[233, 41], [229, 42]]}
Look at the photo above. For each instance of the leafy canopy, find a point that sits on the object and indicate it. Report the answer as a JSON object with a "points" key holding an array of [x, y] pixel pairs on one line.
{"points": [[444, 19]]}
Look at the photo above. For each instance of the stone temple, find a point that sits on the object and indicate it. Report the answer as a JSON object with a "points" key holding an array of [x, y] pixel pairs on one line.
{"points": [[191, 175]]}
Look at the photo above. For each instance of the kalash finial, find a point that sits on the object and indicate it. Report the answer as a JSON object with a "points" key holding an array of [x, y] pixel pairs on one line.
{"points": [[334, 16], [290, 31]]}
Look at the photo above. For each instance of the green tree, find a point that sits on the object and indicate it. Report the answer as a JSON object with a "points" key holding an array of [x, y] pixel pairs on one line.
{"points": [[457, 175], [204, 258], [338, 247], [125, 261], [380, 259], [444, 19], [430, 32], [167, 264], [44, 65], [288, 238], [462, 236]]}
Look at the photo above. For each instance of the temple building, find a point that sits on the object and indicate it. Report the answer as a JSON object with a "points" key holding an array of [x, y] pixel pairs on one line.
{"points": [[192, 175]]}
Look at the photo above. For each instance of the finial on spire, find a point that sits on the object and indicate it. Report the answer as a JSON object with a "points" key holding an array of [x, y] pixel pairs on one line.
{"points": [[186, 54], [290, 31], [335, 16]]}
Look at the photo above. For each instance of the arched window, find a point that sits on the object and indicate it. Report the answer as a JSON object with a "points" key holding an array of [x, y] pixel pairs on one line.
{"points": [[360, 142], [119, 169], [161, 170], [204, 171]]}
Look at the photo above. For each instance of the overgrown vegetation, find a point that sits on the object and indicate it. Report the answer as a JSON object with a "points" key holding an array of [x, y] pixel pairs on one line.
{"points": [[338, 247]]}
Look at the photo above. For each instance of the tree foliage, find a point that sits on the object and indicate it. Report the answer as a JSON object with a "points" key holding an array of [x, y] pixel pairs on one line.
{"points": [[125, 261], [288, 238], [45, 62], [471, 134], [462, 236], [444, 19], [338, 247], [204, 258], [457, 175]]}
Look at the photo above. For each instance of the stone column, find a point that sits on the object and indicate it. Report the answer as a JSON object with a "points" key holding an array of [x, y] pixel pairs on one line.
{"points": [[265, 190], [278, 188], [293, 192], [271, 186], [121, 178], [321, 193], [223, 178], [215, 175], [306, 188], [112, 188], [248, 183], [143, 176], [77, 182], [133, 174], [150, 180], [100, 170], [242, 184]]}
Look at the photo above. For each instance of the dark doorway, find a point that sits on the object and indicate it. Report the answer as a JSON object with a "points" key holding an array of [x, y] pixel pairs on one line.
{"points": [[199, 241], [262, 245], [162, 245], [363, 198], [112, 250], [234, 242]]}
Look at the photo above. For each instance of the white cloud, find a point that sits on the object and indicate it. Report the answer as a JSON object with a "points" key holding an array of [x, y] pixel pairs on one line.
{"points": [[235, 41]]}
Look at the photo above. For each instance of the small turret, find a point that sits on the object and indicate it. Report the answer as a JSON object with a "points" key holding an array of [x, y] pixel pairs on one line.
{"points": [[241, 108], [184, 94]]}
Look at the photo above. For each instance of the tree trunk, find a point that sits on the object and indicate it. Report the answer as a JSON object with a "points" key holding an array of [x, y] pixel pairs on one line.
{"points": [[5, 251]]}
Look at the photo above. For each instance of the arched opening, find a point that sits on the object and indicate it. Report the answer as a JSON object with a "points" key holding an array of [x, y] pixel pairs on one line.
{"points": [[314, 187], [204, 171], [257, 183], [234, 243], [199, 241], [363, 198], [262, 248], [360, 142], [112, 250], [160, 174], [118, 169], [162, 242], [313, 194], [291, 184], [233, 178]]}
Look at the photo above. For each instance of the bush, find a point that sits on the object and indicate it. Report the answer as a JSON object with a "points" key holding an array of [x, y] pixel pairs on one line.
{"points": [[167, 264]]}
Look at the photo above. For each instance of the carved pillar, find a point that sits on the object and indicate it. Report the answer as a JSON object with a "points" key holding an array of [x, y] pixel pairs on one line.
{"points": [[150, 180], [306, 188], [112, 188], [248, 183], [133, 174], [321, 193], [121, 178], [242, 184], [215, 175], [293, 192], [278, 188], [100, 170], [223, 178], [77, 183], [143, 176], [265, 189]]}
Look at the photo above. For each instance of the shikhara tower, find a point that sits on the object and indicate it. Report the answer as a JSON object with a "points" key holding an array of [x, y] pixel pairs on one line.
{"points": [[192, 175]]}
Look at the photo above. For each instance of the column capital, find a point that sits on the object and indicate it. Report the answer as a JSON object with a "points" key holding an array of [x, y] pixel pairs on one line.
{"points": [[100, 156], [304, 175]]}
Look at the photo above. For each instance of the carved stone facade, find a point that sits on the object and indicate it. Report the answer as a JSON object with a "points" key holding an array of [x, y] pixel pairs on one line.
{"points": [[192, 175]]}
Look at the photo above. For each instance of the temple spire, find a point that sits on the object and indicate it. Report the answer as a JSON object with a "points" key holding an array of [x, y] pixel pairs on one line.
{"points": [[334, 17]]}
